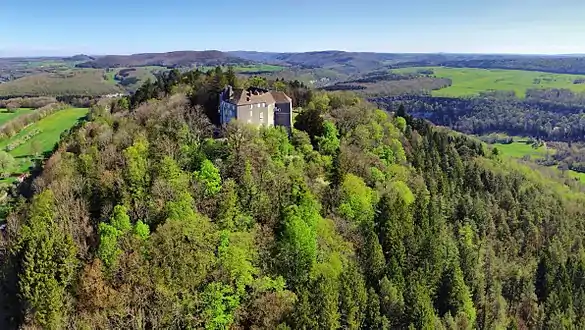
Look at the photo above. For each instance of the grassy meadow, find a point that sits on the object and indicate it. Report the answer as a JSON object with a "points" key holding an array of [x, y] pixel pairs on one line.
{"points": [[577, 175], [470, 82], [520, 149], [50, 129], [6, 116], [259, 68]]}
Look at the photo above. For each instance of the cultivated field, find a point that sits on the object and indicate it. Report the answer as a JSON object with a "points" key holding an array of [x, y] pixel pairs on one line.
{"points": [[6, 116], [469, 82], [43, 135]]}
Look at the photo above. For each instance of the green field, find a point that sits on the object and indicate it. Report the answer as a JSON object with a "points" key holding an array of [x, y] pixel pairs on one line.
{"points": [[259, 67], [519, 149], [51, 128], [469, 82], [6, 116], [577, 175]]}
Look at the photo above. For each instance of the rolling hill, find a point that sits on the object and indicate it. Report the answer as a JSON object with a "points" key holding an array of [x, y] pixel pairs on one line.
{"points": [[87, 82], [170, 59]]}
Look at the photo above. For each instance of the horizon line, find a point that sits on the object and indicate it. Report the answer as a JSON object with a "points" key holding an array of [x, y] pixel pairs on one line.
{"points": [[48, 55]]}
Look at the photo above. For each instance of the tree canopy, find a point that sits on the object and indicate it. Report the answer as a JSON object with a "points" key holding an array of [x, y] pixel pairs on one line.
{"points": [[360, 219]]}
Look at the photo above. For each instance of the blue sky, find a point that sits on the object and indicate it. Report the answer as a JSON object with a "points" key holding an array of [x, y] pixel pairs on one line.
{"points": [[63, 27]]}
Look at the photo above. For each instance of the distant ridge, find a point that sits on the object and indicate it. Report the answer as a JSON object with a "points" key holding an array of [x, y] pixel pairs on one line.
{"points": [[79, 58], [170, 59]]}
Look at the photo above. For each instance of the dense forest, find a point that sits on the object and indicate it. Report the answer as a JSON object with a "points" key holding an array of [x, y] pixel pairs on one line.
{"points": [[355, 219], [553, 115]]}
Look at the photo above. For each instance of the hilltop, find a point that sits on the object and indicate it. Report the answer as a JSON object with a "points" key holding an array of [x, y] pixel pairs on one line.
{"points": [[355, 219], [170, 59]]}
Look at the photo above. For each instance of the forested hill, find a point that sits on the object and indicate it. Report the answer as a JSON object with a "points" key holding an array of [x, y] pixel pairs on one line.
{"points": [[358, 220], [171, 59]]}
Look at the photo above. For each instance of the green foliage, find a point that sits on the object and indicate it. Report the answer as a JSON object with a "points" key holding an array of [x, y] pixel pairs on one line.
{"points": [[6, 163], [47, 264], [181, 208], [420, 307], [230, 215], [209, 177], [257, 82], [373, 319], [219, 303], [391, 300], [328, 144], [110, 234], [276, 140], [141, 230], [136, 157], [325, 299], [298, 243], [455, 296], [373, 223], [108, 250], [120, 219], [310, 120], [400, 123], [353, 297], [358, 200], [236, 254], [403, 192], [320, 102], [123, 103]]}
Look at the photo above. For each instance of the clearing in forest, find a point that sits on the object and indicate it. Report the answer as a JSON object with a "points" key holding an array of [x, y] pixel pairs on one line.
{"points": [[6, 116], [520, 149], [42, 135]]}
